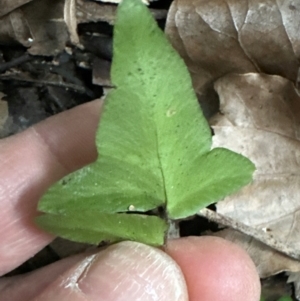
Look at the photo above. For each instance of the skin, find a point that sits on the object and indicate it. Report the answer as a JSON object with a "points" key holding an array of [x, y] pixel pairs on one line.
{"points": [[194, 268]]}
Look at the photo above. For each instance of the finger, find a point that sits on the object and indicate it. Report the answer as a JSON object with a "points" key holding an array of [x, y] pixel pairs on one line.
{"points": [[122, 272], [215, 269], [26, 287], [30, 163]]}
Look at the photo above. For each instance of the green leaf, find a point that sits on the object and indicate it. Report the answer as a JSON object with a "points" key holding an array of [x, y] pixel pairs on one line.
{"points": [[213, 176], [92, 228], [103, 187], [154, 145]]}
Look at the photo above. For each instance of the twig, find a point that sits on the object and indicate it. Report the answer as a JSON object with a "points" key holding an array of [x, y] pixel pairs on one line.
{"points": [[173, 231], [13, 63], [77, 88]]}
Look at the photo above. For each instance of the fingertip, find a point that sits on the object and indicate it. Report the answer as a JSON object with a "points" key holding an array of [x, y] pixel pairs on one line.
{"points": [[124, 271], [215, 269], [134, 271]]}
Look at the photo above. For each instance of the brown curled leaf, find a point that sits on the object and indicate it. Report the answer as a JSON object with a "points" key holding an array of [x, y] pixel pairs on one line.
{"points": [[218, 37], [268, 261], [7, 6], [260, 118], [43, 26]]}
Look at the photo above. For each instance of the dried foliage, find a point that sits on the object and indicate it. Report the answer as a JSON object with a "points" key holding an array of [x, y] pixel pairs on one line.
{"points": [[245, 54], [219, 37]]}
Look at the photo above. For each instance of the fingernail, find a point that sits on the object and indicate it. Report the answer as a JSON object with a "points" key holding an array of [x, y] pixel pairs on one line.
{"points": [[132, 271]]}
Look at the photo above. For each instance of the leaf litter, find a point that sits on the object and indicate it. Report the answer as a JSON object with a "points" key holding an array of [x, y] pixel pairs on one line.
{"points": [[259, 118], [248, 53], [219, 37]]}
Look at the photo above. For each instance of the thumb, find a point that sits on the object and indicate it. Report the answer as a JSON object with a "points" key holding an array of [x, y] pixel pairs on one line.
{"points": [[122, 272]]}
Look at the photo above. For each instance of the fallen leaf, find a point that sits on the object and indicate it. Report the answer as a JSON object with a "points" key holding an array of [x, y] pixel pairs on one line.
{"points": [[44, 26], [218, 37], [70, 13], [267, 261], [7, 6], [260, 114], [118, 1], [3, 112], [260, 118], [88, 11], [14, 29], [48, 27]]}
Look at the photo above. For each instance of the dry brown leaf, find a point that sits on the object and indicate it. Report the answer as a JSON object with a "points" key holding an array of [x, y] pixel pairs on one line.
{"points": [[88, 11], [260, 118], [44, 26], [70, 13], [118, 1], [218, 37], [259, 234], [14, 28], [3, 111], [7, 6], [48, 27], [267, 261]]}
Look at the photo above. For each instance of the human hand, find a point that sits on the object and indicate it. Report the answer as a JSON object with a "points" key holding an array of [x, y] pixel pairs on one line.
{"points": [[211, 269]]}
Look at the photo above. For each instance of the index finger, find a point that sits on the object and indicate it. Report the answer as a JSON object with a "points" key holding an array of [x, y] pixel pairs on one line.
{"points": [[30, 162]]}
